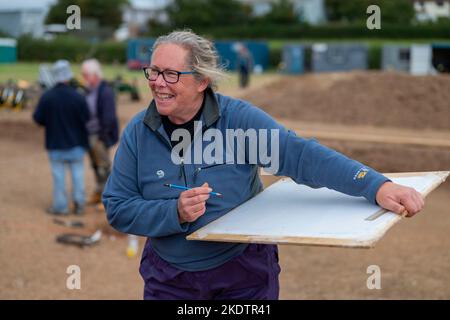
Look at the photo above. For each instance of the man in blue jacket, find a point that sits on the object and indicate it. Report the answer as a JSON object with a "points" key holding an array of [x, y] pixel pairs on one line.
{"points": [[103, 125], [172, 142], [64, 113]]}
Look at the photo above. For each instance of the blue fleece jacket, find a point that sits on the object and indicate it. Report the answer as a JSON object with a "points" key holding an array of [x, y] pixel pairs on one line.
{"points": [[136, 201]]}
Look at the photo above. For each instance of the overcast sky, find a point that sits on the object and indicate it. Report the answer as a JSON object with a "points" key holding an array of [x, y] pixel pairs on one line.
{"points": [[8, 4]]}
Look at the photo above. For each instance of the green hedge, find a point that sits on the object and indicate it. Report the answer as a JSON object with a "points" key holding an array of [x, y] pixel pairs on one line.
{"points": [[111, 52], [69, 48], [374, 56], [329, 31], [275, 56]]}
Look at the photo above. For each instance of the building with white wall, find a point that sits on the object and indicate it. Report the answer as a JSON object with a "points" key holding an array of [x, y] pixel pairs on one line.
{"points": [[431, 10], [23, 17]]}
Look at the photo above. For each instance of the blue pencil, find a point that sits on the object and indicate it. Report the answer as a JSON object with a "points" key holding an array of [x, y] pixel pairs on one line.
{"points": [[186, 188]]}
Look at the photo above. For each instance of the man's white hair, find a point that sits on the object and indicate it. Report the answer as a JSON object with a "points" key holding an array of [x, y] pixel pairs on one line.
{"points": [[92, 66]]}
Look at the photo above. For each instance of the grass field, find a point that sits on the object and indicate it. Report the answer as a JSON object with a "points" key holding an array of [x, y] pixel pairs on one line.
{"points": [[29, 71]]}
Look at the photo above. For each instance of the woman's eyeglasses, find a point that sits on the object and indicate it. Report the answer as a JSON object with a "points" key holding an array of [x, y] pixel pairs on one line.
{"points": [[170, 76]]}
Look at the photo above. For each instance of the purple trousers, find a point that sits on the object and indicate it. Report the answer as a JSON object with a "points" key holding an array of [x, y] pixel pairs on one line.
{"points": [[251, 275]]}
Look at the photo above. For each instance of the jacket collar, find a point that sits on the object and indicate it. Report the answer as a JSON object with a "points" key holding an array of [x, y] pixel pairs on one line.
{"points": [[211, 112]]}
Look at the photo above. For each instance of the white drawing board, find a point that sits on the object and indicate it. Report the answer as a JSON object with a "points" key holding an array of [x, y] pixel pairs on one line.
{"points": [[288, 213]]}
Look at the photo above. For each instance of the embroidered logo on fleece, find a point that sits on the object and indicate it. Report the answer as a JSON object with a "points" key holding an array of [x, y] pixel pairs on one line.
{"points": [[361, 173], [160, 174]]}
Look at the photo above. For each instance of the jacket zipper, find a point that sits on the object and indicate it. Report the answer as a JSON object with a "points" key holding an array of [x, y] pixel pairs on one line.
{"points": [[182, 170], [197, 171]]}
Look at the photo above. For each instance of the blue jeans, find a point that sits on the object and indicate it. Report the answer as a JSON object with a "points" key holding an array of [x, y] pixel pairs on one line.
{"points": [[74, 160]]}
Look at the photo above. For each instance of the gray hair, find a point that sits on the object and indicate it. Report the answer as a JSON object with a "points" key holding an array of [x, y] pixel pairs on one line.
{"points": [[92, 66], [202, 57]]}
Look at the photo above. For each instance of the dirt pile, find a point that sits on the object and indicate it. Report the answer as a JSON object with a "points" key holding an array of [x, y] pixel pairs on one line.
{"points": [[385, 99]]}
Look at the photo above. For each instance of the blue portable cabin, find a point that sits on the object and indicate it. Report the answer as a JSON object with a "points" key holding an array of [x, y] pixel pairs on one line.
{"points": [[396, 57], [330, 57], [293, 58], [139, 52], [259, 51]]}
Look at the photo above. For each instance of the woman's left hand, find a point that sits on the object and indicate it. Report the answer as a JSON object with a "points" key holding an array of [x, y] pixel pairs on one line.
{"points": [[398, 199]]}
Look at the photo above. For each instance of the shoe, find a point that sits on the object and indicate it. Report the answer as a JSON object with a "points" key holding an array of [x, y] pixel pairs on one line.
{"points": [[52, 211], [95, 198], [78, 209]]}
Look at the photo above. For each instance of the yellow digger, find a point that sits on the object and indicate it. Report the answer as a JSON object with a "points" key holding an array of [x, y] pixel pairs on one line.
{"points": [[18, 95]]}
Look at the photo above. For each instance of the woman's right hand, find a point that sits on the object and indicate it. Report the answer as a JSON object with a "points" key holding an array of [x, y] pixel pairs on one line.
{"points": [[192, 203]]}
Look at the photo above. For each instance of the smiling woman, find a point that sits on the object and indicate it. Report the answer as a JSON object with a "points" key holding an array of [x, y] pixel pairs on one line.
{"points": [[182, 75], [178, 101], [188, 65]]}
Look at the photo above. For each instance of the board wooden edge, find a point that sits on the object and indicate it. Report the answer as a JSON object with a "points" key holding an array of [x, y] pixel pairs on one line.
{"points": [[442, 174], [316, 241], [300, 241]]}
